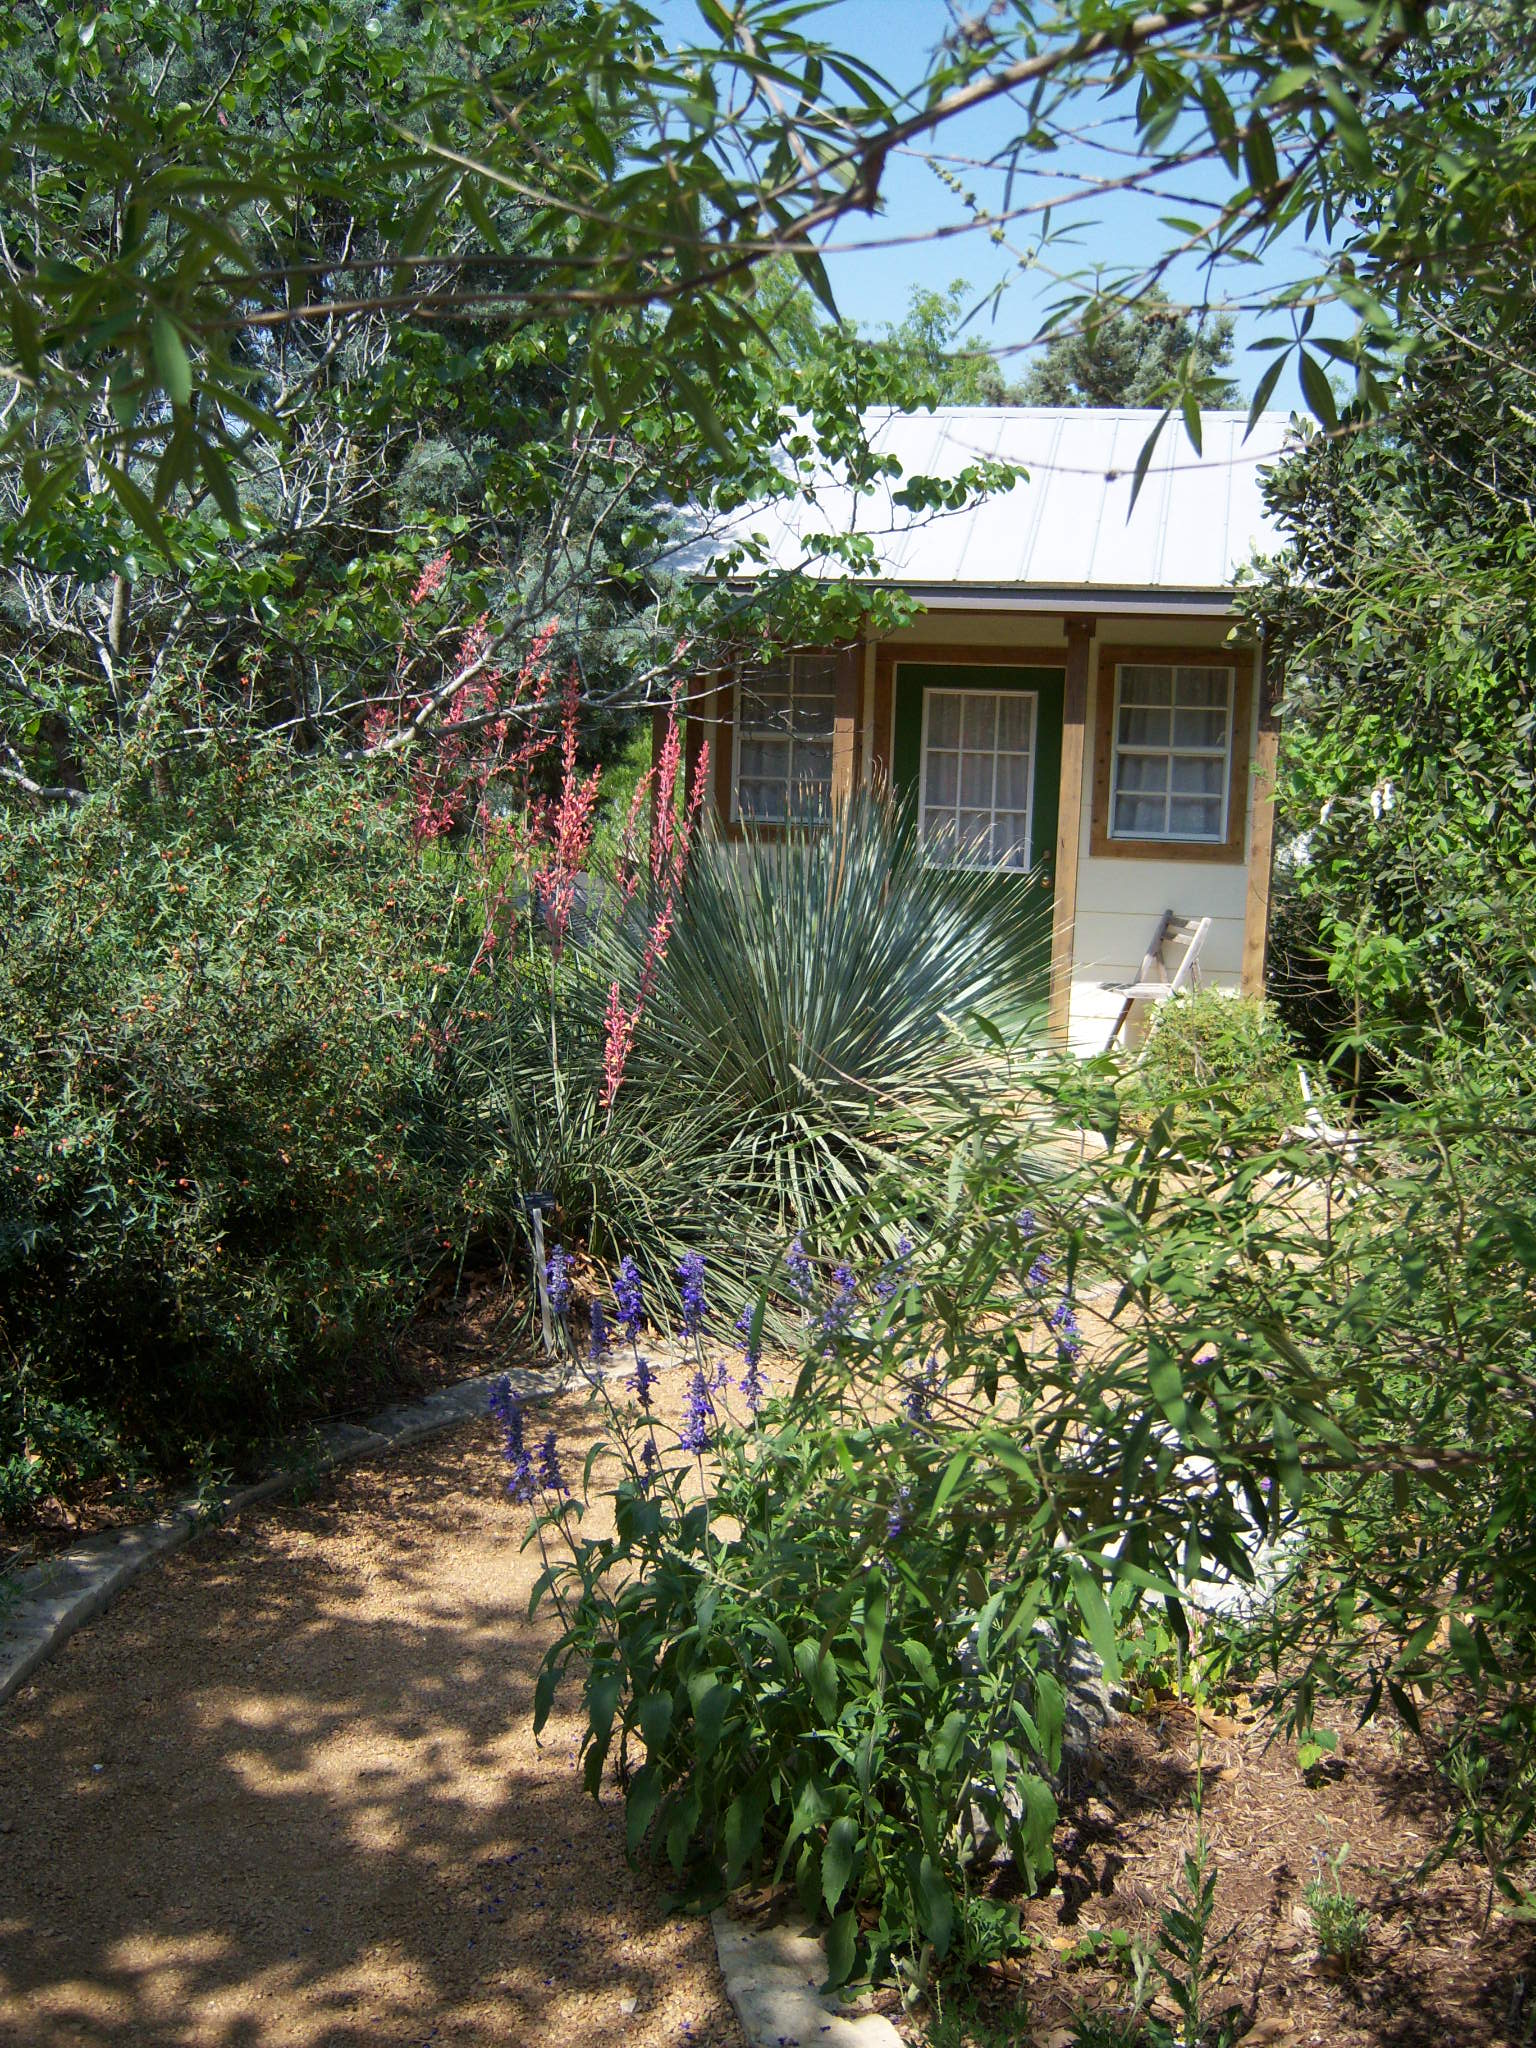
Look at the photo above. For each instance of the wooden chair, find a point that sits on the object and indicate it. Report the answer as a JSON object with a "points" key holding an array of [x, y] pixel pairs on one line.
{"points": [[1153, 984]]}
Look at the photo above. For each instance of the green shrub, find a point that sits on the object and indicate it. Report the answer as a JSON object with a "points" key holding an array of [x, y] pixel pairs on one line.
{"points": [[215, 1010], [839, 1666], [1230, 1052]]}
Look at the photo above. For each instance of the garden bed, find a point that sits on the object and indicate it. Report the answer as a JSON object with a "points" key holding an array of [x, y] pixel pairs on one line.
{"points": [[1432, 1973]]}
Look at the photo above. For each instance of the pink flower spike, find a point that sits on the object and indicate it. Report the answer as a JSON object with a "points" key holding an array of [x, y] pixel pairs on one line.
{"points": [[431, 579], [620, 1035]]}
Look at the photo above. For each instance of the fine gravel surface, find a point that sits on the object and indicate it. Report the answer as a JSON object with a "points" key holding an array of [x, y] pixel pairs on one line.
{"points": [[285, 1794]]}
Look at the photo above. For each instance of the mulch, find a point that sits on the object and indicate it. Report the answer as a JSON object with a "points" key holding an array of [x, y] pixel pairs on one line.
{"points": [[1434, 1975]]}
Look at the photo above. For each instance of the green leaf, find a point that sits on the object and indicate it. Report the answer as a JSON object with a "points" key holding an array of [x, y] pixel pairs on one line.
{"points": [[949, 1742], [1317, 391], [837, 1859], [842, 1946], [171, 364], [640, 1804], [1167, 1384], [874, 1627], [1287, 1457], [1091, 1605], [710, 1699], [544, 1695], [1259, 153], [819, 1671], [935, 1906], [603, 1690], [920, 1657], [655, 1718]]}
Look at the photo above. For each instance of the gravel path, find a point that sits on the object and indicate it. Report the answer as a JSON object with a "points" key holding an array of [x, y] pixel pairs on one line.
{"points": [[285, 1795]]}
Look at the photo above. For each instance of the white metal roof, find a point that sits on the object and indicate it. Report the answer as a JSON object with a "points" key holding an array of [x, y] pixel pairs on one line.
{"points": [[1068, 527]]}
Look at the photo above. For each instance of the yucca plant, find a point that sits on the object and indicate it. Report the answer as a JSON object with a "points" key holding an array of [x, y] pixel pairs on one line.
{"points": [[518, 1108], [842, 1000]]}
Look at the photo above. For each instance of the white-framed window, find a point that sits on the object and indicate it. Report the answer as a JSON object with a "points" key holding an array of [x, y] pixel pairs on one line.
{"points": [[976, 787], [783, 767], [1172, 762]]}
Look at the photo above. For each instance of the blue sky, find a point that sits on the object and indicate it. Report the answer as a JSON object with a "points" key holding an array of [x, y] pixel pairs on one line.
{"points": [[873, 284]]}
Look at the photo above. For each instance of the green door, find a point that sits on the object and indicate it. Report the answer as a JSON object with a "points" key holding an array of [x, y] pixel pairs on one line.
{"points": [[978, 747]]}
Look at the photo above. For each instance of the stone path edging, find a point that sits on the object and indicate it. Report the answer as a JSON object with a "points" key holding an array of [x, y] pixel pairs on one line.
{"points": [[772, 1976], [41, 1607]]}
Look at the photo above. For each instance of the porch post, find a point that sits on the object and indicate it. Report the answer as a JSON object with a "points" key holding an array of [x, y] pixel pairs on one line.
{"points": [[1261, 841], [845, 722], [1069, 815], [658, 741]]}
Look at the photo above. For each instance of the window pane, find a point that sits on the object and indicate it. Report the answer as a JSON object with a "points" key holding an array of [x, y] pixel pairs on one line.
{"points": [[1010, 847], [943, 718], [1139, 685], [1200, 728], [815, 672], [1143, 772], [943, 785], [761, 800], [1200, 688], [976, 781], [1195, 817], [761, 758], [975, 831], [768, 684], [812, 714], [939, 835], [1012, 782], [980, 726], [813, 763], [1139, 814], [1197, 776], [1144, 728], [1015, 719]]}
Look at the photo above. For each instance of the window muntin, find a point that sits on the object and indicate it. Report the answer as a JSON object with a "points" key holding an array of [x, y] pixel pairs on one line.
{"points": [[976, 788], [784, 713], [1172, 765]]}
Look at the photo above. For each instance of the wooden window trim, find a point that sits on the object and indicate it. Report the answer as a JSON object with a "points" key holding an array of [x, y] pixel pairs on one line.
{"points": [[1221, 852], [890, 656], [846, 745], [738, 729]]}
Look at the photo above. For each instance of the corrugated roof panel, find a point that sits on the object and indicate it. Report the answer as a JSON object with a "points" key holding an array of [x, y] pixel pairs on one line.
{"points": [[1071, 524]]}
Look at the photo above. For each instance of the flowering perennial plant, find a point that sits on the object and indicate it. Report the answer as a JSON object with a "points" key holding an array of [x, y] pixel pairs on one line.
{"points": [[690, 1273], [671, 842], [557, 1281]]}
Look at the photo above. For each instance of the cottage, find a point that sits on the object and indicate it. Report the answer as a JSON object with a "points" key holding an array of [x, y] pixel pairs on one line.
{"points": [[1071, 704]]}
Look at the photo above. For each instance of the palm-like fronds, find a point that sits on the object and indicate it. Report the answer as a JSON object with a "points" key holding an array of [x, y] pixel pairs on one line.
{"points": [[823, 991]]}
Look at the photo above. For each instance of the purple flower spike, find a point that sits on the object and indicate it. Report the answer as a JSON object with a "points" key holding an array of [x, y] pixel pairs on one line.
{"points": [[550, 1477], [642, 1380], [650, 1464], [629, 1298], [600, 1345], [1063, 1320], [895, 1271], [838, 1312], [802, 1279], [695, 1431], [690, 1271], [921, 1389], [1039, 1273], [896, 1514], [1027, 1225], [557, 1281]]}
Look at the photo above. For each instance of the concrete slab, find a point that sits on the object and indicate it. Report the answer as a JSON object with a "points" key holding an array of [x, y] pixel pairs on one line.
{"points": [[772, 1978]]}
